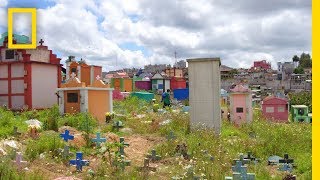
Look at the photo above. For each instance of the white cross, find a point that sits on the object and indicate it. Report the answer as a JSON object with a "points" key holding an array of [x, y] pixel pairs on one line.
{"points": [[73, 75], [98, 77]]}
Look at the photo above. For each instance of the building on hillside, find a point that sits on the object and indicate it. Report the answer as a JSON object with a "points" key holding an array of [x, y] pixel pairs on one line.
{"points": [[225, 72], [28, 78], [284, 70], [85, 73], [174, 72], [180, 64], [261, 65]]}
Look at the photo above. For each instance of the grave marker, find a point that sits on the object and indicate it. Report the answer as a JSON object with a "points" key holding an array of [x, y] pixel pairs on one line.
{"points": [[117, 125], [15, 131], [19, 160], [153, 156], [66, 153], [121, 148], [146, 165], [286, 159], [286, 167], [79, 162], [122, 163], [240, 173], [98, 140], [171, 136], [66, 136]]}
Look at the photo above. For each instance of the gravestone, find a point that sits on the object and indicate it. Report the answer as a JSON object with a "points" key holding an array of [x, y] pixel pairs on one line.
{"points": [[240, 173], [79, 162], [286, 159], [122, 163], [204, 93], [117, 125], [66, 136], [98, 140], [153, 156], [146, 166]]}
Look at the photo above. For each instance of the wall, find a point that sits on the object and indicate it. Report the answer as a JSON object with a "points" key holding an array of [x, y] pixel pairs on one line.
{"points": [[44, 85], [143, 85], [41, 55], [204, 93], [98, 103]]}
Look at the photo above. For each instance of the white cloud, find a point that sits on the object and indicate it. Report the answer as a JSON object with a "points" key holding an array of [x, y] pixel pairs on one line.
{"points": [[3, 3]]}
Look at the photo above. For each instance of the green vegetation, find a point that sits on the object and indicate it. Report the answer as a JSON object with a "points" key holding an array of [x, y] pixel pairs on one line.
{"points": [[301, 98], [269, 139]]}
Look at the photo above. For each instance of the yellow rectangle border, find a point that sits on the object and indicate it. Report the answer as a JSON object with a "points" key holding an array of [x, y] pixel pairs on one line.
{"points": [[315, 88], [33, 12]]}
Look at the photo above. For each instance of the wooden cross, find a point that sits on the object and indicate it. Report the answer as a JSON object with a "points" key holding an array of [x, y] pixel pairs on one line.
{"points": [[41, 42]]}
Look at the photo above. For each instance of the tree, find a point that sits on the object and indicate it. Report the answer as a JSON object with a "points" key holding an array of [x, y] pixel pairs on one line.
{"points": [[298, 70], [295, 58], [305, 61], [301, 98]]}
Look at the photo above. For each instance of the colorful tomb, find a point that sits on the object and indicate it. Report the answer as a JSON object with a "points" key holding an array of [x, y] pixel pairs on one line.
{"points": [[28, 78], [85, 73], [76, 97], [299, 113], [240, 105], [160, 83], [275, 109]]}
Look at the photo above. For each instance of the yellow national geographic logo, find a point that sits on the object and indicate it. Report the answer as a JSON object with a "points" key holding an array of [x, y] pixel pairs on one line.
{"points": [[33, 12]]}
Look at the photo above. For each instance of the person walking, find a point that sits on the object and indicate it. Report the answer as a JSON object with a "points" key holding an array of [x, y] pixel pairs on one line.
{"points": [[166, 98]]}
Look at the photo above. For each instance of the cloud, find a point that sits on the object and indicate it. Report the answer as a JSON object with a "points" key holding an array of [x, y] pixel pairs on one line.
{"points": [[237, 31]]}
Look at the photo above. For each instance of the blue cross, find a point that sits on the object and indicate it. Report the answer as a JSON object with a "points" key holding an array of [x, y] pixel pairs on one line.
{"points": [[78, 162], [66, 136], [98, 140], [240, 172]]}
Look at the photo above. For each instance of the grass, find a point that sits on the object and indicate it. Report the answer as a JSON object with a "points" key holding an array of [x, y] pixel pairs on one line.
{"points": [[270, 139]]}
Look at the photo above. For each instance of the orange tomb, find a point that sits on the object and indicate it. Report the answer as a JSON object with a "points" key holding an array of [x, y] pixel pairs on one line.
{"points": [[76, 97]]}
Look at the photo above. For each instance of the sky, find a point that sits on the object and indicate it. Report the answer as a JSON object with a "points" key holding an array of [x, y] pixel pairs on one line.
{"points": [[120, 34]]}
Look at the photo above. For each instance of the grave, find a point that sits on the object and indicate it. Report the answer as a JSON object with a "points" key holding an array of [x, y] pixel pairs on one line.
{"points": [[286, 167], [122, 163], [299, 113], [273, 160], [66, 153], [153, 156], [98, 140], [123, 144], [79, 162], [171, 136], [275, 109], [19, 162], [66, 136], [241, 105], [204, 93], [240, 173], [117, 125], [246, 159], [146, 166], [29, 77], [286, 159]]}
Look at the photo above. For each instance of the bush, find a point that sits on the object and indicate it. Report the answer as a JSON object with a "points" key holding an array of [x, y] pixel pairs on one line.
{"points": [[48, 142]]}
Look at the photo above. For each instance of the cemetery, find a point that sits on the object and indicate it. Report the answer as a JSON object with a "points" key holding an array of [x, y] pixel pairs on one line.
{"points": [[90, 135]]}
